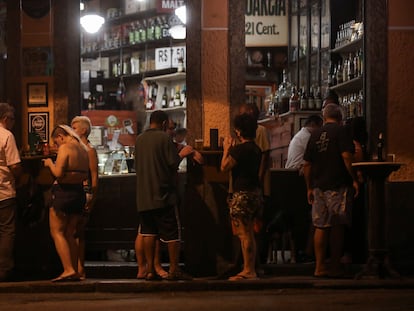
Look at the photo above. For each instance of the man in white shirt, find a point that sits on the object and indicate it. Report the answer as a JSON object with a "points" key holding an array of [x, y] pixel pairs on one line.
{"points": [[10, 170], [298, 143]]}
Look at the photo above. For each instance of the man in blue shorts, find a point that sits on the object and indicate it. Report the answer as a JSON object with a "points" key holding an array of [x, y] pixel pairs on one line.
{"points": [[156, 166], [331, 186]]}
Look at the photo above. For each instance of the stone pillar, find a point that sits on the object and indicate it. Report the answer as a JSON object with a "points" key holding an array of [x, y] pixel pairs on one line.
{"points": [[215, 65]]}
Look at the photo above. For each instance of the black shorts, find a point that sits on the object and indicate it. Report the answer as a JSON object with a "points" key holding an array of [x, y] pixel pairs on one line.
{"points": [[163, 222], [68, 198]]}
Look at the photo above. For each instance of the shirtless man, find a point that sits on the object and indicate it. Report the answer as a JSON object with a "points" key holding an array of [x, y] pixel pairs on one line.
{"points": [[68, 197]]}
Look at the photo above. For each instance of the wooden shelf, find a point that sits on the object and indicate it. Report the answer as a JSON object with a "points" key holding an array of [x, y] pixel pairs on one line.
{"points": [[166, 77], [355, 84], [352, 46]]}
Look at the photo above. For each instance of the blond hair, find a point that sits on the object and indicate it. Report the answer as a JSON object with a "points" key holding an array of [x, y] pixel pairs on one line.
{"points": [[85, 123]]}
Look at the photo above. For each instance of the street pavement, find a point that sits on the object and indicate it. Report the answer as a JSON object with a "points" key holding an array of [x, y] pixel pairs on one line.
{"points": [[293, 276]]}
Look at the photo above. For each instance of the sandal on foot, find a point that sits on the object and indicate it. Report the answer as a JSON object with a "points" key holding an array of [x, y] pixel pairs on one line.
{"points": [[67, 278], [241, 277]]}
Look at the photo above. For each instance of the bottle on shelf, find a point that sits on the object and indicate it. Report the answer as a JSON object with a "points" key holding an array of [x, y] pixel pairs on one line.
{"points": [[351, 67], [150, 29], [171, 102], [154, 91], [330, 75], [165, 27], [131, 33], [318, 99], [177, 96], [345, 68], [339, 73], [183, 96], [303, 100], [143, 32], [157, 28], [284, 93], [294, 102], [360, 62], [180, 67], [164, 100], [311, 100], [137, 32]]}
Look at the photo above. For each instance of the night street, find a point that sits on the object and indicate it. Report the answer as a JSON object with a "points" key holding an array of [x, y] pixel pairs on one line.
{"points": [[278, 299]]}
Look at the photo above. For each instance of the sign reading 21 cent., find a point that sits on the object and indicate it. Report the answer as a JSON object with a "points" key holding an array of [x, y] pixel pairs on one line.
{"points": [[266, 23]]}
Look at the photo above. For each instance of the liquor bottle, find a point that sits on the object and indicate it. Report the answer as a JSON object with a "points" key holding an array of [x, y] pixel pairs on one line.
{"points": [[150, 29], [311, 100], [351, 68], [334, 72], [284, 92], [157, 29], [183, 96], [355, 64], [120, 94], [303, 100], [171, 102], [339, 72], [154, 91], [137, 32], [131, 34], [318, 99], [164, 100], [361, 62], [177, 96], [165, 27], [294, 101], [380, 147], [345, 67], [143, 31], [330, 74], [180, 67]]}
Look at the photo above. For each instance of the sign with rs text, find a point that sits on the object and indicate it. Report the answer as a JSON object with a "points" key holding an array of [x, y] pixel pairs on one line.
{"points": [[168, 57], [266, 23]]}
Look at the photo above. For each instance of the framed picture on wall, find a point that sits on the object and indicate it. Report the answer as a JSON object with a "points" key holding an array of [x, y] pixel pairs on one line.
{"points": [[39, 124], [37, 95]]}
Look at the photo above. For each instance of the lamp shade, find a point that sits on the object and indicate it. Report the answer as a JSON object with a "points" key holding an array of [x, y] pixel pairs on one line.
{"points": [[92, 22]]}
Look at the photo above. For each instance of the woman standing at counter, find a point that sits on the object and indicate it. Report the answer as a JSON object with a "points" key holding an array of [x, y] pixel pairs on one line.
{"points": [[82, 126], [244, 162], [68, 197]]}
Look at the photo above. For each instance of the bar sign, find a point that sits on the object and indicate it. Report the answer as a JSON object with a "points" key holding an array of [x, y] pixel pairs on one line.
{"points": [[168, 57]]}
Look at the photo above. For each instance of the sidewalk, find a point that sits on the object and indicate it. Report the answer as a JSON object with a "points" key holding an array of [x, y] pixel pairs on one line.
{"points": [[273, 279]]}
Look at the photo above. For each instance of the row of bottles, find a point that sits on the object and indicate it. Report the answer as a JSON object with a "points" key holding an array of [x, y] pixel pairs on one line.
{"points": [[348, 32], [350, 68], [141, 31], [352, 104], [175, 97], [288, 97]]}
